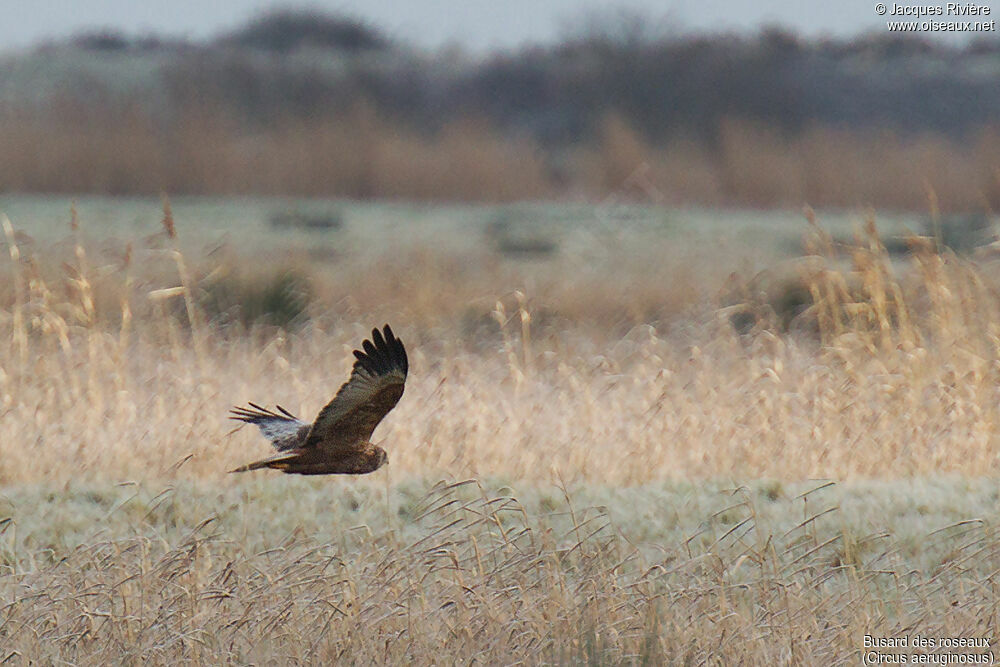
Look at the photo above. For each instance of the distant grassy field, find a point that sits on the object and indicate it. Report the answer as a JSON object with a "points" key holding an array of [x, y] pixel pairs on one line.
{"points": [[621, 456], [204, 222]]}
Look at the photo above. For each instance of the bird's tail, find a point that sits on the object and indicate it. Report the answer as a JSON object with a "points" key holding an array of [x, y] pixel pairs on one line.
{"points": [[256, 465], [278, 462]]}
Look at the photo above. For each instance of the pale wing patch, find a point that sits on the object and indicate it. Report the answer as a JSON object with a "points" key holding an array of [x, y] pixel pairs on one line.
{"points": [[283, 430]]}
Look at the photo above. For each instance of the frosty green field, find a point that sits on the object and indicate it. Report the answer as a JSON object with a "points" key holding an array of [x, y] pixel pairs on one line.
{"points": [[278, 569], [205, 222]]}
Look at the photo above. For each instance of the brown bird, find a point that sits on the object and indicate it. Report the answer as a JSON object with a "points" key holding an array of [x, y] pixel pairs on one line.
{"points": [[337, 442]]}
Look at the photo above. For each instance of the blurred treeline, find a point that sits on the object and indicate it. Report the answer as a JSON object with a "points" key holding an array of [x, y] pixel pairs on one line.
{"points": [[302, 103]]}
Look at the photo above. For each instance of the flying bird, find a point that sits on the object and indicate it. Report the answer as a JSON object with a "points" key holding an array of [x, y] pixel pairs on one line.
{"points": [[338, 441]]}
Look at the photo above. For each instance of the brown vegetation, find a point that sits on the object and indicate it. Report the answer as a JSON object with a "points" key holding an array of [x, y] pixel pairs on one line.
{"points": [[360, 155], [75, 148]]}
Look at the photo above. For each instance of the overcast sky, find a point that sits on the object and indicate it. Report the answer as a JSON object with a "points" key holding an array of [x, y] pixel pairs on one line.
{"points": [[477, 25]]}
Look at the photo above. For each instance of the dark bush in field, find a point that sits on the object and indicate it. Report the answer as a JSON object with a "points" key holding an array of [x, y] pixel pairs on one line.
{"points": [[285, 30], [280, 299]]}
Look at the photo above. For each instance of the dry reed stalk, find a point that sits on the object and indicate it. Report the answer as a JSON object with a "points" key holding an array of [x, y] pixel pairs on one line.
{"points": [[499, 314], [19, 331], [194, 320], [86, 312], [126, 301], [525, 318]]}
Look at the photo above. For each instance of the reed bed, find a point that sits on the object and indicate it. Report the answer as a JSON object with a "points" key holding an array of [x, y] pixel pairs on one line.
{"points": [[364, 153]]}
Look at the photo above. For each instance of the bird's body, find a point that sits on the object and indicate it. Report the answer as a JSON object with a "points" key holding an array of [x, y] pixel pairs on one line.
{"points": [[337, 442], [366, 458]]}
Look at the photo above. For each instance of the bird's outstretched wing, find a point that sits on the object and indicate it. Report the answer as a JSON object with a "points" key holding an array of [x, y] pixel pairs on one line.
{"points": [[285, 431], [374, 388]]}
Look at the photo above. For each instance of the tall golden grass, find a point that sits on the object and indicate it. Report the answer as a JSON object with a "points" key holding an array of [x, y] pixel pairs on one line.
{"points": [[892, 376], [74, 148]]}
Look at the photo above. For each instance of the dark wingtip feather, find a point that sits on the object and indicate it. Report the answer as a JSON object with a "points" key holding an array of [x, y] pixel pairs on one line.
{"points": [[396, 349], [255, 413], [382, 354]]}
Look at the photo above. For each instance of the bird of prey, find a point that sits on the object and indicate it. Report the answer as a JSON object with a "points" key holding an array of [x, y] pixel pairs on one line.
{"points": [[337, 442]]}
